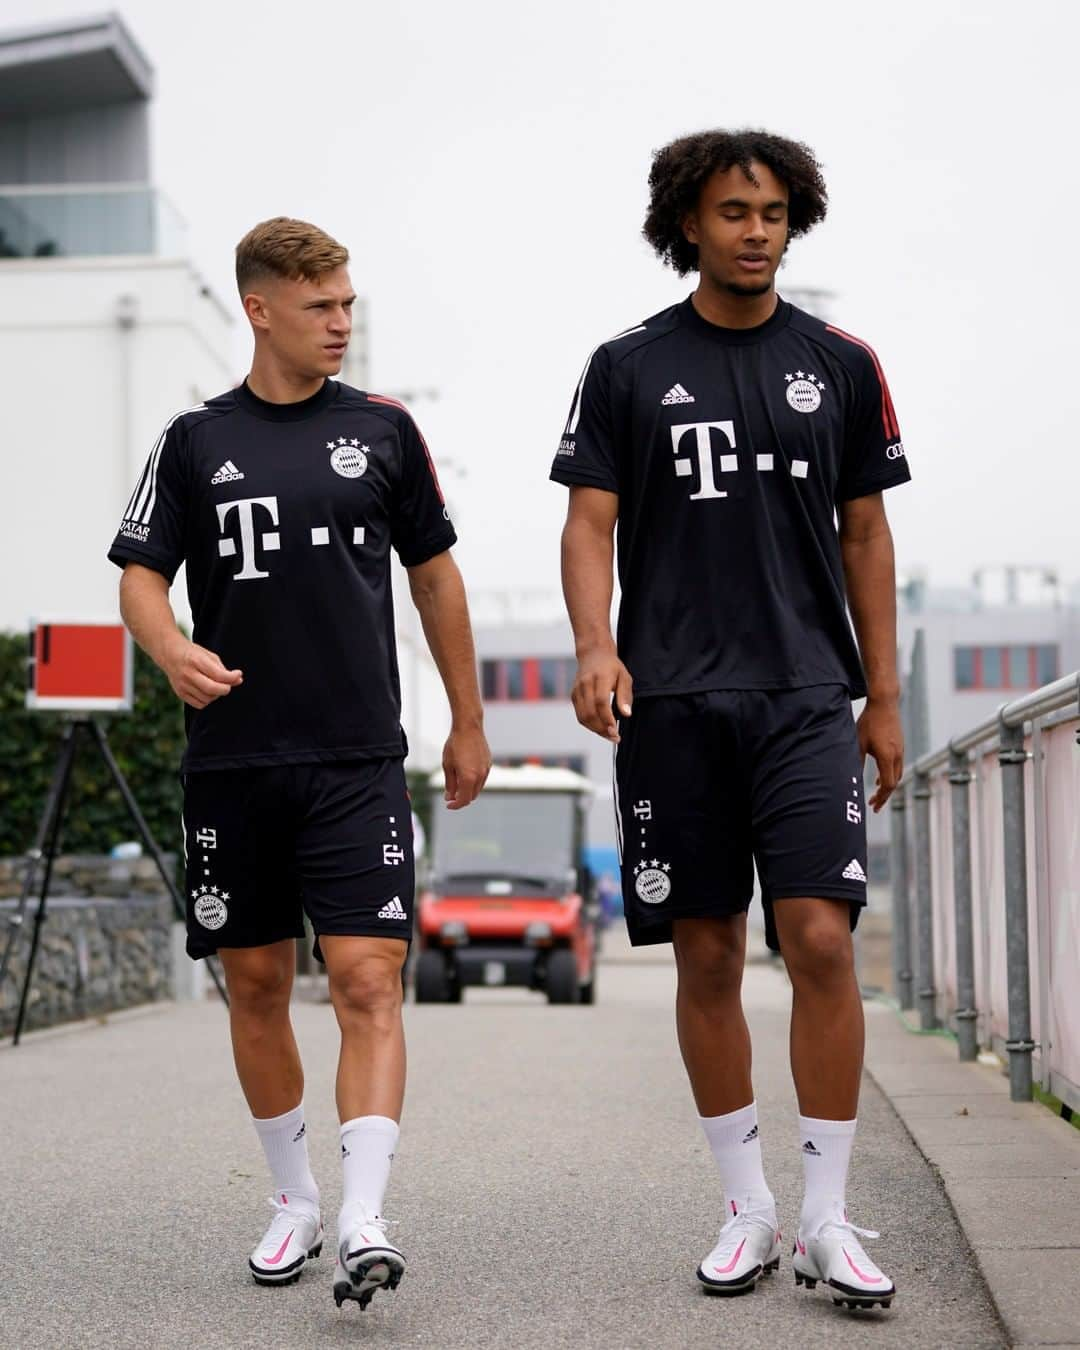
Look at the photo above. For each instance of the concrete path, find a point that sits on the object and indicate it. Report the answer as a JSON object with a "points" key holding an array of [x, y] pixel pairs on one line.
{"points": [[552, 1190], [1011, 1171]]}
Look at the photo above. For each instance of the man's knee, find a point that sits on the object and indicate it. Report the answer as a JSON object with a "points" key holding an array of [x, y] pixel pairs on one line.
{"points": [[259, 980], [710, 954], [368, 986], [817, 943]]}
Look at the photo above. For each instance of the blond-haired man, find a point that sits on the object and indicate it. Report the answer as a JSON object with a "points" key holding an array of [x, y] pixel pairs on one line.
{"points": [[284, 497]]}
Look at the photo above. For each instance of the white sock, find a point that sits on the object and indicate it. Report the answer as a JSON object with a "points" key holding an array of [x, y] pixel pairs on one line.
{"points": [[367, 1150], [737, 1149], [826, 1153], [284, 1141]]}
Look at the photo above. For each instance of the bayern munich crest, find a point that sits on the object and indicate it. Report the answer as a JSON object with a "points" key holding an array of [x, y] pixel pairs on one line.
{"points": [[651, 881], [348, 458], [804, 391], [210, 907]]}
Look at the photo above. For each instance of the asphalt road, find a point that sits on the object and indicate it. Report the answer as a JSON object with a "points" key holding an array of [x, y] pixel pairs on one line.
{"points": [[552, 1189]]}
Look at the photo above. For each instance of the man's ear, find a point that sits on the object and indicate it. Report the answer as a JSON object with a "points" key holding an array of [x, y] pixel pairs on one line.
{"points": [[689, 225], [255, 307]]}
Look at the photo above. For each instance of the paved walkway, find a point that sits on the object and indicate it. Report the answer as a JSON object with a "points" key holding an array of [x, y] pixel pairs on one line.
{"points": [[552, 1190], [1011, 1171]]}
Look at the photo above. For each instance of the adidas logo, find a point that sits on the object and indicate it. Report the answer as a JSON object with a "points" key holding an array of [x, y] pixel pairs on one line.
{"points": [[394, 910], [751, 1136], [808, 1147], [228, 473], [853, 871], [677, 394]]}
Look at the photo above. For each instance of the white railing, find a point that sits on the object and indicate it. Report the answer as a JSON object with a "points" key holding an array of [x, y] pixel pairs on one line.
{"points": [[986, 889]]}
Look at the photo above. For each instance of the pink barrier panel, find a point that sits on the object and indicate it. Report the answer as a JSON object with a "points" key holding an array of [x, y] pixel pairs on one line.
{"points": [[992, 897], [1061, 766], [941, 880], [988, 903]]}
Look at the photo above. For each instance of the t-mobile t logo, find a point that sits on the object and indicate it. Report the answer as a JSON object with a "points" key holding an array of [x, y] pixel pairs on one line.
{"points": [[245, 510], [684, 468]]}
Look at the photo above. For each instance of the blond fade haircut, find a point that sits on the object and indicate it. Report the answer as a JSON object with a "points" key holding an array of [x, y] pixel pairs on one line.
{"points": [[291, 249]]}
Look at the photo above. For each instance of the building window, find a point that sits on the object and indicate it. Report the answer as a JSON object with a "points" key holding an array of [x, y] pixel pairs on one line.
{"points": [[964, 661], [1046, 664], [1015, 667], [515, 679], [527, 679], [993, 668]]}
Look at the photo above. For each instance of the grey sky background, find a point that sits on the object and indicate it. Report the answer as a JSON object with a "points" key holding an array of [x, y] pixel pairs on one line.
{"points": [[486, 164]]}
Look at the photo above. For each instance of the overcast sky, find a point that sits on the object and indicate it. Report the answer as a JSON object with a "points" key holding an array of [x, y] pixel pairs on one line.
{"points": [[486, 164]]}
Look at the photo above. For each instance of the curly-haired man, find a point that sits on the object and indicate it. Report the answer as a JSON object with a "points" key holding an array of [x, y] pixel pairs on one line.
{"points": [[742, 446]]}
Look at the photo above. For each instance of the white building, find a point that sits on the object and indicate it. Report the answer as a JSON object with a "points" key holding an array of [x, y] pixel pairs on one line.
{"points": [[106, 330], [983, 645]]}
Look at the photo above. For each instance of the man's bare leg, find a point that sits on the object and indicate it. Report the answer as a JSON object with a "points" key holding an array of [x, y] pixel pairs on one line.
{"points": [[365, 986], [713, 1035], [715, 1044], [827, 1031], [259, 981], [827, 1035]]}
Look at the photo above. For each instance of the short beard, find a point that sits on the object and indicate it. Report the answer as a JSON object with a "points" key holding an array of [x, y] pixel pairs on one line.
{"points": [[737, 288]]}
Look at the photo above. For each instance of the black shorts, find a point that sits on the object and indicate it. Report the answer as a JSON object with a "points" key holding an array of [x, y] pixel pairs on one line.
{"points": [[708, 784], [265, 845]]}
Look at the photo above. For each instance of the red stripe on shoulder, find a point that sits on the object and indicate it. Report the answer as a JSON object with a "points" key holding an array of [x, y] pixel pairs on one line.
{"points": [[396, 403], [888, 412]]}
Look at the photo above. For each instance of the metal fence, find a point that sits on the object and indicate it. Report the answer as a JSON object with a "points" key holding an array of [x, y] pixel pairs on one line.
{"points": [[985, 869]]}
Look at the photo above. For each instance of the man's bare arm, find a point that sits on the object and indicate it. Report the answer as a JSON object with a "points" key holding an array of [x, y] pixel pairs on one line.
{"points": [[196, 675], [438, 593], [866, 547], [588, 552]]}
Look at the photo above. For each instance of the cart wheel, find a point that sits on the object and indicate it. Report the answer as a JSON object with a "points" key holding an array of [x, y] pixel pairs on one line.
{"points": [[432, 980], [562, 977]]}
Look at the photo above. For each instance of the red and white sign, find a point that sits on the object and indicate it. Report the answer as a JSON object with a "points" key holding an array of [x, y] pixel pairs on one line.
{"points": [[80, 667]]}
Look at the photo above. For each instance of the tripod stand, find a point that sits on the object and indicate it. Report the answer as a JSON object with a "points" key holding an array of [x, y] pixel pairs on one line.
{"points": [[45, 842]]}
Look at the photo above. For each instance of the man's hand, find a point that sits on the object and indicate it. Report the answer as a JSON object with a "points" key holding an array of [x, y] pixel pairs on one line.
{"points": [[881, 737], [601, 676], [466, 764], [197, 675]]}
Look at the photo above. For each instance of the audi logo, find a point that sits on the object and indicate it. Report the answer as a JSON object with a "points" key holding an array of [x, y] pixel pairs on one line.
{"points": [[895, 451]]}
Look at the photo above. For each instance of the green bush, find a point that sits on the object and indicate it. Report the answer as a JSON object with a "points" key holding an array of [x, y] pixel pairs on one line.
{"points": [[147, 744]]}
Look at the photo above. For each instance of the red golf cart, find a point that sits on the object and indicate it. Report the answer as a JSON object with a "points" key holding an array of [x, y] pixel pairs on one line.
{"points": [[507, 899]]}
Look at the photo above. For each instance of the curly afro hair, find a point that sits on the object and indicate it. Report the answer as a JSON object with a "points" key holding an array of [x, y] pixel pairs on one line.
{"points": [[680, 170]]}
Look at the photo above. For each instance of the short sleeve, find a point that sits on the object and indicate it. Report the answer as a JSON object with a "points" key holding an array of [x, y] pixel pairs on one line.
{"points": [[586, 453], [873, 456], [154, 526], [420, 524]]}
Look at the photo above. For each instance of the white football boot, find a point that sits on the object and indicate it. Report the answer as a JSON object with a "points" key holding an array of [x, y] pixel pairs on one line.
{"points": [[367, 1260], [295, 1233], [835, 1256], [748, 1247]]}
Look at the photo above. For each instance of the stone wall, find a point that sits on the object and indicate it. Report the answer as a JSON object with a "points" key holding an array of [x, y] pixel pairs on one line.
{"points": [[105, 942]]}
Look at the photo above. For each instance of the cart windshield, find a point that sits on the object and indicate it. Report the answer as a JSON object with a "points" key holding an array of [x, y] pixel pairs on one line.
{"points": [[525, 838]]}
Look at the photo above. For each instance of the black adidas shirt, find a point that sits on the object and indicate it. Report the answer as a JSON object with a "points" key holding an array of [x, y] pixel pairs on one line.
{"points": [[730, 450], [285, 515]]}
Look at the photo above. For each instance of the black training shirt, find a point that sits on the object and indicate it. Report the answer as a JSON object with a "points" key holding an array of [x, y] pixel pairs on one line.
{"points": [[730, 450], [285, 515]]}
